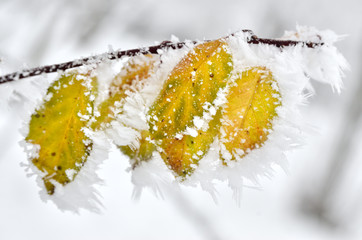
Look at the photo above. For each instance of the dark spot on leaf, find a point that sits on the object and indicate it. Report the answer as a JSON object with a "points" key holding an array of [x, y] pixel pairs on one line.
{"points": [[53, 154], [211, 75], [59, 168], [192, 142], [37, 115]]}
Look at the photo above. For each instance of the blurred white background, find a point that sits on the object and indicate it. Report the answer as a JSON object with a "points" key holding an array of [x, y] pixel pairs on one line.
{"points": [[319, 198]]}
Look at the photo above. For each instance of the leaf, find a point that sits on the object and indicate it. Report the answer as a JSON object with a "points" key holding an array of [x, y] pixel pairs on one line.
{"points": [[249, 112], [58, 128], [137, 69], [192, 85], [182, 154], [140, 153]]}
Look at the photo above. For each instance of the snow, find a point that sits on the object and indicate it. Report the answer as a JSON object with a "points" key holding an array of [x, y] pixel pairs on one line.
{"points": [[268, 214], [70, 174], [81, 192], [198, 122], [327, 64], [291, 67], [191, 131], [293, 75]]}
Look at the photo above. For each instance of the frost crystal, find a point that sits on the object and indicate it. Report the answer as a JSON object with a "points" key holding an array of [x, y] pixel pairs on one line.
{"points": [[291, 67]]}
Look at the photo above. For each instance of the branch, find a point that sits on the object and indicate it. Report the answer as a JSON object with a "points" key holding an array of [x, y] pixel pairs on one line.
{"points": [[133, 52]]}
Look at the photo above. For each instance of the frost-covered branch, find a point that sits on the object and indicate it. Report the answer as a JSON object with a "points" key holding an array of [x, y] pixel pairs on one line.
{"points": [[147, 110], [132, 52]]}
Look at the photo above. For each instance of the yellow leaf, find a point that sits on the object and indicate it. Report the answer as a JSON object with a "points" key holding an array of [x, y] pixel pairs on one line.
{"points": [[136, 69], [57, 127], [249, 112], [182, 154], [192, 84]]}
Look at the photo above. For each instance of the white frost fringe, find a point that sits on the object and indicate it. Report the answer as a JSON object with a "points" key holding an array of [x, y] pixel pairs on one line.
{"points": [[80, 193], [293, 67]]}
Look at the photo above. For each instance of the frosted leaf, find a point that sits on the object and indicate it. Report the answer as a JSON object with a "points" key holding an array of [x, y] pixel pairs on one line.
{"points": [[223, 110]]}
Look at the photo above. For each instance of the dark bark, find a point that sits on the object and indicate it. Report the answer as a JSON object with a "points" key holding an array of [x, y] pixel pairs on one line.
{"points": [[129, 53]]}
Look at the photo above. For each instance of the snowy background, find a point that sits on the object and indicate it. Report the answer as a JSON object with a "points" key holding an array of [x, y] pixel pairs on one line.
{"points": [[319, 198]]}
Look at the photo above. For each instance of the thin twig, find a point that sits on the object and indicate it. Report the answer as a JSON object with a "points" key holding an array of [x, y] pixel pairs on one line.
{"points": [[148, 50]]}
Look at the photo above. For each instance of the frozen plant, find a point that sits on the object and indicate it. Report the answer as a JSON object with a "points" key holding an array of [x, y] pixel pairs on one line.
{"points": [[189, 113]]}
